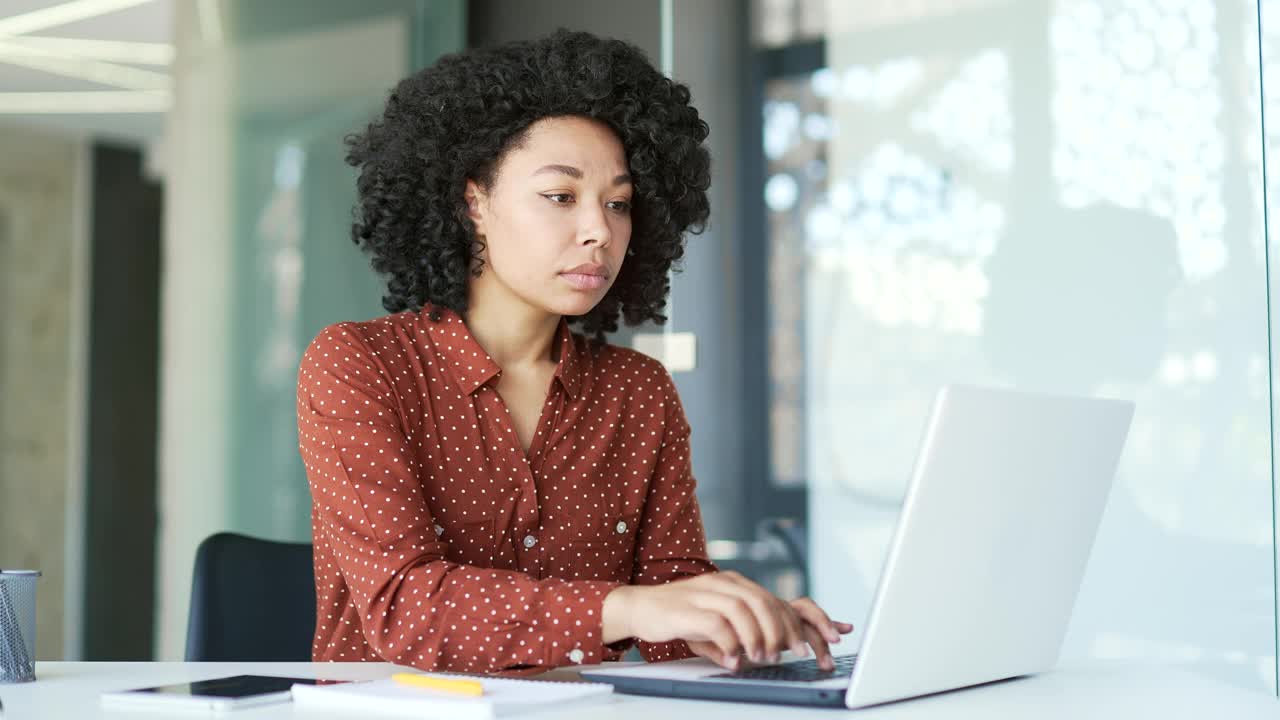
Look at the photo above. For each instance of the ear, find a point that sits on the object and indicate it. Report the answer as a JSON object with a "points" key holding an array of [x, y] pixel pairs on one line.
{"points": [[474, 197]]}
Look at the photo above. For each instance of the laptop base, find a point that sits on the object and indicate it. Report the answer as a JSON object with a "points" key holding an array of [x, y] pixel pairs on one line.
{"points": [[744, 691]]}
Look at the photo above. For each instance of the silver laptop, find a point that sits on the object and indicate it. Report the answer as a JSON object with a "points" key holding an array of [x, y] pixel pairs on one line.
{"points": [[984, 567]]}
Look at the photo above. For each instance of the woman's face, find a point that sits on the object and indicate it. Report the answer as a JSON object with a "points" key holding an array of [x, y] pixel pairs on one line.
{"points": [[557, 221]]}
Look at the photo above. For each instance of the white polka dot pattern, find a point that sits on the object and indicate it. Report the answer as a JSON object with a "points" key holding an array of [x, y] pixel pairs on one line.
{"points": [[441, 543]]}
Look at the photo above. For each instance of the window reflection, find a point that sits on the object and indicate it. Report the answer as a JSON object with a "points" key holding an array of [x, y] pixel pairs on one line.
{"points": [[280, 228], [889, 239], [970, 113], [965, 202], [1137, 110]]}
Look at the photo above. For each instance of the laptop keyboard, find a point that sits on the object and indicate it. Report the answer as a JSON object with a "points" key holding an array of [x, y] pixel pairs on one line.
{"points": [[797, 671]]}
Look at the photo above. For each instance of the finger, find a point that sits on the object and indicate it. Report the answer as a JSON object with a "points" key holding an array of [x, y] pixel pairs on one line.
{"points": [[781, 631], [795, 629], [793, 637], [815, 616], [739, 614], [712, 626], [712, 652], [768, 618], [844, 627], [821, 650]]}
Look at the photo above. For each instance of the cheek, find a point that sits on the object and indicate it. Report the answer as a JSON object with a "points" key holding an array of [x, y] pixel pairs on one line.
{"points": [[525, 253], [622, 237], [542, 222], [526, 247], [520, 223]]}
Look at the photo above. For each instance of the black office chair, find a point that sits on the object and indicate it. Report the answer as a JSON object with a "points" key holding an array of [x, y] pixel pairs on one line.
{"points": [[251, 600]]}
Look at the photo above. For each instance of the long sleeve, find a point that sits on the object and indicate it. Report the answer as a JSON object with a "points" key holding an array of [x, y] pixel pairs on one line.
{"points": [[672, 541], [414, 606]]}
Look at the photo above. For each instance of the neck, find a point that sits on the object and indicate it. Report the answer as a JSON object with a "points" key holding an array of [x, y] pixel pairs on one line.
{"points": [[514, 334]]}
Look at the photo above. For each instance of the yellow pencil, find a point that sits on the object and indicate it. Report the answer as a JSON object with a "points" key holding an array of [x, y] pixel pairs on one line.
{"points": [[449, 685]]}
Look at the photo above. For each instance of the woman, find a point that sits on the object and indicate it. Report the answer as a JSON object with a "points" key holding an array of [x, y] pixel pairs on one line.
{"points": [[491, 491]]}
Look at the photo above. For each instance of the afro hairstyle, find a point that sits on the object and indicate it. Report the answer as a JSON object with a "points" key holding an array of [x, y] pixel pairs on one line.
{"points": [[453, 122]]}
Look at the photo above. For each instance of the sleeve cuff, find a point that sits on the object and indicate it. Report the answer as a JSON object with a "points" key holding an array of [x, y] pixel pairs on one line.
{"points": [[615, 650], [575, 624], [666, 651]]}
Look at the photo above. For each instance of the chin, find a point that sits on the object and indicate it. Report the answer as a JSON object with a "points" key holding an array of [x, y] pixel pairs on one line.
{"points": [[572, 306]]}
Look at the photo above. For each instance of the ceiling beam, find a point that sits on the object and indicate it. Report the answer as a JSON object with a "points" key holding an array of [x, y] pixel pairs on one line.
{"points": [[101, 102], [62, 14], [111, 74], [137, 53]]}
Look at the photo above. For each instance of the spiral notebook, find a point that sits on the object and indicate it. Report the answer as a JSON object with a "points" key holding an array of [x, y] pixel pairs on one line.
{"points": [[502, 696]]}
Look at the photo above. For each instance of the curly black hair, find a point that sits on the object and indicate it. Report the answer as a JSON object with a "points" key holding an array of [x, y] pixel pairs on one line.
{"points": [[454, 120]]}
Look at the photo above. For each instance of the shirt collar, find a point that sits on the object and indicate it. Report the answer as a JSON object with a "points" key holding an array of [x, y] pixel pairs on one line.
{"points": [[465, 360], [569, 367], [471, 367]]}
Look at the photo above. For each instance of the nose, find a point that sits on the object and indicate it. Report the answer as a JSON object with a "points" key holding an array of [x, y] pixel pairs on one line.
{"points": [[594, 227]]}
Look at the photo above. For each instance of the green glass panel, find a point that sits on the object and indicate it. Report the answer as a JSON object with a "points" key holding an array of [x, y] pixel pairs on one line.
{"points": [[304, 74]]}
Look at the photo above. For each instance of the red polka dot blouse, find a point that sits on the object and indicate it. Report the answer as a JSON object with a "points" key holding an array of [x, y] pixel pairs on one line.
{"points": [[441, 544]]}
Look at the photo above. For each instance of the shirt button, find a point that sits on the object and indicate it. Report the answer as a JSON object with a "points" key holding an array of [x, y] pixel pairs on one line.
{"points": [[530, 541], [576, 655], [439, 530], [621, 527]]}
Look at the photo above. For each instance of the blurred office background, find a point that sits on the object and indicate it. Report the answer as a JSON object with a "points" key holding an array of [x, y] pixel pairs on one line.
{"points": [[1066, 195]]}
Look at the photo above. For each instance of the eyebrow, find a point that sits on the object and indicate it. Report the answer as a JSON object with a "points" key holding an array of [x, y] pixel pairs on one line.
{"points": [[576, 174]]}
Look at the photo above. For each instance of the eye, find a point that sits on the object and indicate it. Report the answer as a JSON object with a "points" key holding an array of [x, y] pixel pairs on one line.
{"points": [[622, 206], [559, 198]]}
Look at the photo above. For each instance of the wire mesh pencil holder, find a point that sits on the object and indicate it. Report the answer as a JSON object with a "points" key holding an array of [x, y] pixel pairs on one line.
{"points": [[18, 625]]}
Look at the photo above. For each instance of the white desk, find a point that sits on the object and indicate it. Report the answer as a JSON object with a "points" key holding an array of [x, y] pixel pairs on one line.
{"points": [[69, 691]]}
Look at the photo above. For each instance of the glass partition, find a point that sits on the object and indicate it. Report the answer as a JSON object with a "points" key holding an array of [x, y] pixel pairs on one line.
{"points": [[259, 256], [1062, 196]]}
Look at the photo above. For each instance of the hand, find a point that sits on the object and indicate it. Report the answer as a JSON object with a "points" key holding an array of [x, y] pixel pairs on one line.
{"points": [[722, 616], [820, 630]]}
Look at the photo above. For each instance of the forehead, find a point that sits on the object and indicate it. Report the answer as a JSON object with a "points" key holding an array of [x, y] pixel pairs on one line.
{"points": [[581, 142]]}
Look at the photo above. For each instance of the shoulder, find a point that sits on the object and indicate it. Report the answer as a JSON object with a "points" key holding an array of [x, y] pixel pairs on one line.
{"points": [[631, 367], [353, 345], [639, 378], [363, 334]]}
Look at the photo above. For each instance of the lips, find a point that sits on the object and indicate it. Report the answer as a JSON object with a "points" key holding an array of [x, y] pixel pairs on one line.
{"points": [[589, 269], [587, 276]]}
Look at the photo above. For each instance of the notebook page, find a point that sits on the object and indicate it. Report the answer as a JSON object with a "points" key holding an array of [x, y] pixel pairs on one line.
{"points": [[502, 696]]}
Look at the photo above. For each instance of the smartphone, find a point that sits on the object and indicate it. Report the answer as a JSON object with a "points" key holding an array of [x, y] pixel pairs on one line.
{"points": [[217, 695]]}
